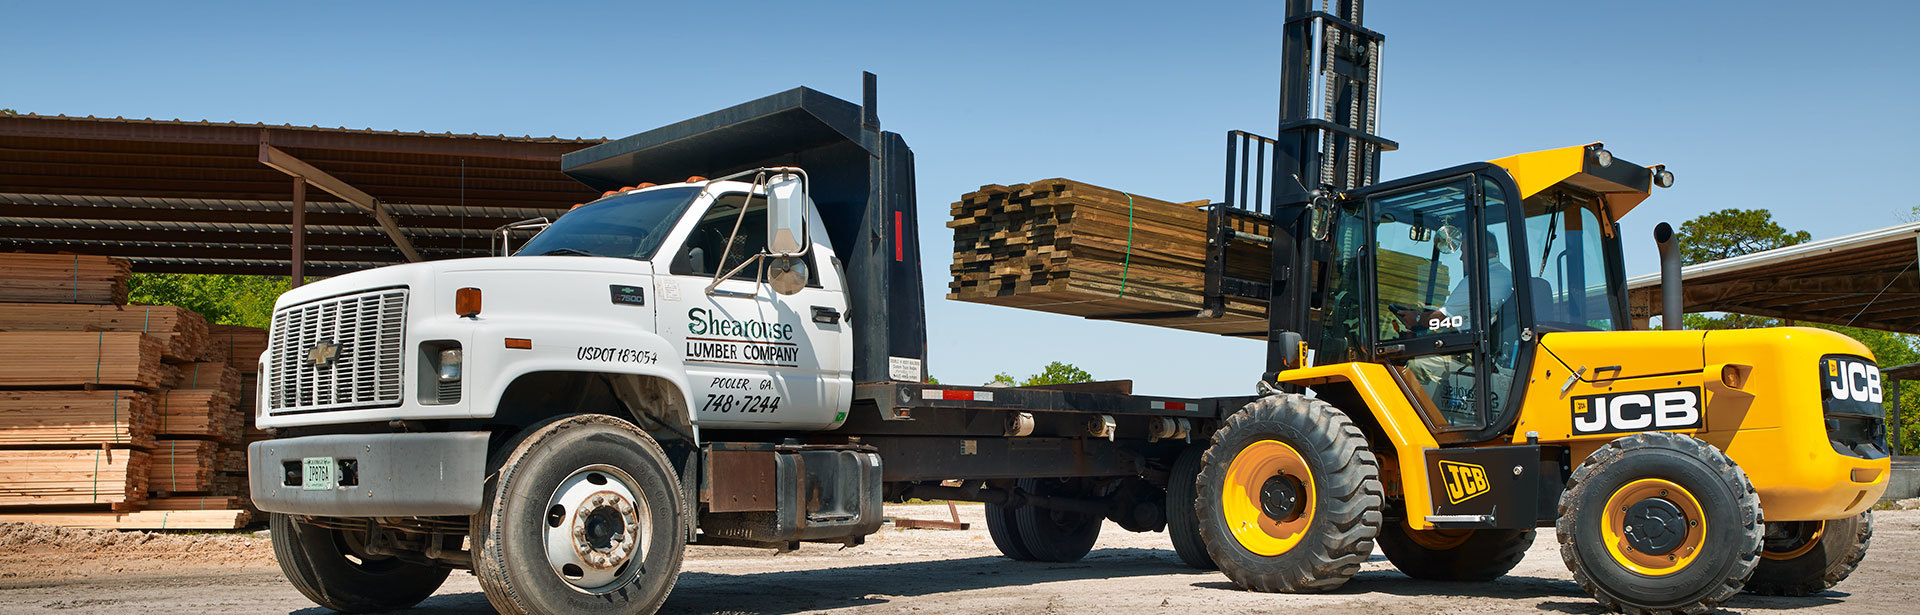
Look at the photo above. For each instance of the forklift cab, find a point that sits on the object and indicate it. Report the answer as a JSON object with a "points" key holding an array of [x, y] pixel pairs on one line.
{"points": [[1449, 277]]}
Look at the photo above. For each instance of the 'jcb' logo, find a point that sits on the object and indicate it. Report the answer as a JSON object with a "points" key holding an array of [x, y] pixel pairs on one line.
{"points": [[1854, 380], [1464, 481], [1637, 411]]}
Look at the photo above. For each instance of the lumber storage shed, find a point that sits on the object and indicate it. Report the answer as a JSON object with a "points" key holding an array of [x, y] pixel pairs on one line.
{"points": [[1869, 279], [207, 197]]}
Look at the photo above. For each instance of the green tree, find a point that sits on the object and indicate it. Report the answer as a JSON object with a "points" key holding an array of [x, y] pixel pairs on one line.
{"points": [[1002, 378], [223, 299], [1732, 232], [8, 112], [1057, 373]]}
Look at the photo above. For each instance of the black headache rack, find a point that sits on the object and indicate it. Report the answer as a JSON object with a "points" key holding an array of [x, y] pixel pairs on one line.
{"points": [[860, 177]]}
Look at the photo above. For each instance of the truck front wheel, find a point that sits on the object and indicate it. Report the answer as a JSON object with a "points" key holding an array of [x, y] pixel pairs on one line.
{"points": [[581, 517], [331, 568]]}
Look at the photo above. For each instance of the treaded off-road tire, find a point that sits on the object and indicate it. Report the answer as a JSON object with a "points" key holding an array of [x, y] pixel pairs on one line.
{"points": [[509, 553], [1454, 555], [1807, 566], [1006, 536], [1718, 538], [1056, 535], [1183, 523], [315, 560], [1289, 444]]}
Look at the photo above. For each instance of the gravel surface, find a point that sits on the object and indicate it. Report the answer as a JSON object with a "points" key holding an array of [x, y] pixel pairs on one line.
{"points": [[932, 572]]}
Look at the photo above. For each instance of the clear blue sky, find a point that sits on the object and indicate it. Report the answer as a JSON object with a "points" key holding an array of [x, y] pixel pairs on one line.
{"points": [[1781, 105]]}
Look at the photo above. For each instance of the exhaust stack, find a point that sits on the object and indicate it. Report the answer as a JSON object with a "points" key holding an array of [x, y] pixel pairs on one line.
{"points": [[1670, 311]]}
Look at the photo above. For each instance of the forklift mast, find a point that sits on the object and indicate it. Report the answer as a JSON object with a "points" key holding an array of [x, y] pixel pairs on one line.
{"points": [[1325, 146]]}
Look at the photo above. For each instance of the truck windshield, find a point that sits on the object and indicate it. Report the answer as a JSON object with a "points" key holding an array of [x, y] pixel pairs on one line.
{"points": [[627, 226]]}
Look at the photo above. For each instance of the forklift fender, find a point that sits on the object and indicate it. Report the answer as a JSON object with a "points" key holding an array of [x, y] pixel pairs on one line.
{"points": [[1395, 415]]}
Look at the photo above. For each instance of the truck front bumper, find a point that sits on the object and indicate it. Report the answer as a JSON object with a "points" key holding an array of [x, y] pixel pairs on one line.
{"points": [[375, 475]]}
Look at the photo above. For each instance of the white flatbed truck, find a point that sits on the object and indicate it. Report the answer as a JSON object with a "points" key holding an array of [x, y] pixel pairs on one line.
{"points": [[684, 361]]}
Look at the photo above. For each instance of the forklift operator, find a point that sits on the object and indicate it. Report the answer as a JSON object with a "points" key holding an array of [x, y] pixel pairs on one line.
{"points": [[1456, 313]]}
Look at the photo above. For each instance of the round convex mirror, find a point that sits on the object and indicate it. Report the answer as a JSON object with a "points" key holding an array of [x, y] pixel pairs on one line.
{"points": [[787, 274]]}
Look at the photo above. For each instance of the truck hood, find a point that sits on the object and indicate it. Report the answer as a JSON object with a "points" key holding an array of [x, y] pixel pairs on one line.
{"points": [[422, 278]]}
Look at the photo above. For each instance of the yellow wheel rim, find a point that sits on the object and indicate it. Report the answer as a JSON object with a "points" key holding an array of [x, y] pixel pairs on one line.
{"points": [[1819, 529], [1613, 527], [1241, 500], [1438, 540]]}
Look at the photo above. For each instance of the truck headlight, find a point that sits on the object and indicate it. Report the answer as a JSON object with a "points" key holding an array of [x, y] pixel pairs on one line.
{"points": [[450, 364]]}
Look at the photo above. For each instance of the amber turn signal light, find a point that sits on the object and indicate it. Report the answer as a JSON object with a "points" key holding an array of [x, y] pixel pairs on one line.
{"points": [[1735, 375], [466, 302]]}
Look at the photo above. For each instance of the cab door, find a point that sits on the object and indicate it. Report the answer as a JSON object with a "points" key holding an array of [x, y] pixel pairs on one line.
{"points": [[1444, 297], [754, 358]]}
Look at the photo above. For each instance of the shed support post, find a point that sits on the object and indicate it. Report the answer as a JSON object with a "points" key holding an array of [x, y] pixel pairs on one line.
{"points": [[299, 231]]}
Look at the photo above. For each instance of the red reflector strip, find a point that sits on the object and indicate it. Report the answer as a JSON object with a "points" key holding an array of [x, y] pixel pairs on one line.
{"points": [[1170, 405], [899, 244], [954, 395]]}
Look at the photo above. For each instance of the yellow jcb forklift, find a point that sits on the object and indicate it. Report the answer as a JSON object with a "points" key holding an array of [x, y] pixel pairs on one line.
{"points": [[1450, 368]]}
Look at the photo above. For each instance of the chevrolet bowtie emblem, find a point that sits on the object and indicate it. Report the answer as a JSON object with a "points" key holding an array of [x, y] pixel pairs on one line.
{"points": [[322, 354]]}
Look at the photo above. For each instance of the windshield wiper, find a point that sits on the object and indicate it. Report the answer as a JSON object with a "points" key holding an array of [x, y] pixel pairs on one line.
{"points": [[566, 252]]}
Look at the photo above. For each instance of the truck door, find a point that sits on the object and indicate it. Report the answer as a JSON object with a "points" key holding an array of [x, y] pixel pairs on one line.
{"points": [[754, 358]]}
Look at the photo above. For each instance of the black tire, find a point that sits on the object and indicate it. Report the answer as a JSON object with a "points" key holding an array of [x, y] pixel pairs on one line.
{"points": [[1056, 535], [1725, 539], [1183, 523], [1006, 535], [1459, 556], [509, 552], [316, 560], [1790, 566], [1344, 497]]}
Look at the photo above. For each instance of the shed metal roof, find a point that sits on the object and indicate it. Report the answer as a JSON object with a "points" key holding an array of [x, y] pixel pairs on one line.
{"points": [[1869, 279], [198, 197]]}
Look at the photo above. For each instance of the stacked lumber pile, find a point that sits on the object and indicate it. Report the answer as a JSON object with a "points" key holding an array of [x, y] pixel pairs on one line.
{"points": [[1068, 247], [241, 347], [111, 415]]}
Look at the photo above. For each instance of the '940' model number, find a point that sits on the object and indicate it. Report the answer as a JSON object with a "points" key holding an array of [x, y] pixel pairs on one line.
{"points": [[746, 404]]}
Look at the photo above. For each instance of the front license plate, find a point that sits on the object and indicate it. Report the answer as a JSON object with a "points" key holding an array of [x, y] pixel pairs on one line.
{"points": [[318, 472]]}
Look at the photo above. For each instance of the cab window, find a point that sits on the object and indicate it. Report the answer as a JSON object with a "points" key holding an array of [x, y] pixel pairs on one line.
{"points": [[708, 244], [1568, 265]]}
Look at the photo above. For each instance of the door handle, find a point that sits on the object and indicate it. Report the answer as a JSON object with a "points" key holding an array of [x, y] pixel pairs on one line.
{"points": [[826, 315]]}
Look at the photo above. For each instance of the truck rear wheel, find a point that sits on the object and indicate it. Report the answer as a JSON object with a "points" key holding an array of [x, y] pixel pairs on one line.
{"points": [[581, 517], [1802, 558], [1454, 555], [1289, 496], [1183, 523], [330, 568], [1660, 522], [1054, 535], [1006, 533]]}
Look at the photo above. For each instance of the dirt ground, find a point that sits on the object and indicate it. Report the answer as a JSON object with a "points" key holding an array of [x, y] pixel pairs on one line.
{"points": [[923, 572]]}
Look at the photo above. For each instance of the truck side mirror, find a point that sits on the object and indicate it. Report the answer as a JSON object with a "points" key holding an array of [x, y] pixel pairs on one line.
{"points": [[786, 216]]}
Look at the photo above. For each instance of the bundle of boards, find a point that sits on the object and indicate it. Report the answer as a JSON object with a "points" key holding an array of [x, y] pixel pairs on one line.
{"points": [[1067, 247], [114, 415]]}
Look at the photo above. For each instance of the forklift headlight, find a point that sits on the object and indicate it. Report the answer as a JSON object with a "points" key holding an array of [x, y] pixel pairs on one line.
{"points": [[1663, 178], [1603, 157], [450, 364]]}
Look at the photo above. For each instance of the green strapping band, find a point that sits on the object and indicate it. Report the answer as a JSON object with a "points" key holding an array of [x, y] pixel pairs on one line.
{"points": [[173, 446], [99, 341], [96, 475], [1126, 261]]}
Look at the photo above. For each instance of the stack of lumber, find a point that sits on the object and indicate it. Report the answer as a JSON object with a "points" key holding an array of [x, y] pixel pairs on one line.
{"points": [[65, 278], [113, 478], [1073, 248], [116, 416], [77, 418], [239, 346], [183, 331]]}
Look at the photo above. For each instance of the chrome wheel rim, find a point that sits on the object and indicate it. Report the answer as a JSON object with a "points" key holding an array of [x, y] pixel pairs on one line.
{"points": [[596, 527]]}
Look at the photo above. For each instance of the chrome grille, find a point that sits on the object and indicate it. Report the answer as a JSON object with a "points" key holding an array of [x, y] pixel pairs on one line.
{"points": [[364, 334]]}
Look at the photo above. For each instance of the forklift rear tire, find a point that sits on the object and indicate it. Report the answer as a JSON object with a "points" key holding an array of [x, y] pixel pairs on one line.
{"points": [[1056, 535], [327, 567], [1183, 523], [1660, 522], [1289, 496], [582, 516], [1802, 558], [1454, 555]]}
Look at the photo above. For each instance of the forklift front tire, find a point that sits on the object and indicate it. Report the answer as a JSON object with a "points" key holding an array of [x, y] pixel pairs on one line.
{"points": [[1289, 496]]}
